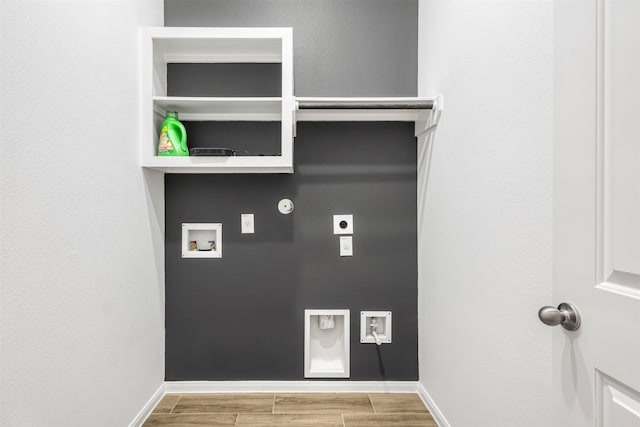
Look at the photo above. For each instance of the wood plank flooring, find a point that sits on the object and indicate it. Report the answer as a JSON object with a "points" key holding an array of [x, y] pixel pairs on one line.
{"points": [[291, 409]]}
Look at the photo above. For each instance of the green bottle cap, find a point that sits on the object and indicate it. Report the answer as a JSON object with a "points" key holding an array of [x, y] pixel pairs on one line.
{"points": [[172, 115]]}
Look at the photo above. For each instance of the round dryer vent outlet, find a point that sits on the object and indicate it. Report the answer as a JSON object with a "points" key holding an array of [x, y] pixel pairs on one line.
{"points": [[285, 206]]}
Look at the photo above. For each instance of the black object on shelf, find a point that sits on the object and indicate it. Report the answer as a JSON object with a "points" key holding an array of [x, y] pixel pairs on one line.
{"points": [[222, 152], [210, 151]]}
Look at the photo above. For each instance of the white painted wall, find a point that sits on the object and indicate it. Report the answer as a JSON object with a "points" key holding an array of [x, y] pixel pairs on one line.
{"points": [[82, 297], [485, 230]]}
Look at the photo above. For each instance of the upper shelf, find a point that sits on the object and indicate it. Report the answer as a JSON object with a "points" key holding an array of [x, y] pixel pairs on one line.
{"points": [[364, 109], [194, 44], [424, 112], [221, 108], [402, 103]]}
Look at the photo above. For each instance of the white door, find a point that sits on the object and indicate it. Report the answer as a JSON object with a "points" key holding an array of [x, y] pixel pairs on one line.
{"points": [[597, 212]]}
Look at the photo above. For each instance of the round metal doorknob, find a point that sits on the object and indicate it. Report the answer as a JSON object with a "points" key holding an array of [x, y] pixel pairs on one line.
{"points": [[566, 315]]}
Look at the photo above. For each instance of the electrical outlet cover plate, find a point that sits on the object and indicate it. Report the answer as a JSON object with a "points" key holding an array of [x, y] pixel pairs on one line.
{"points": [[384, 318], [338, 224], [247, 224], [346, 245]]}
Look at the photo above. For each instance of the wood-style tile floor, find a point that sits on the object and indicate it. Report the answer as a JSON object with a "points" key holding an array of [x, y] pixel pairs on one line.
{"points": [[291, 409]]}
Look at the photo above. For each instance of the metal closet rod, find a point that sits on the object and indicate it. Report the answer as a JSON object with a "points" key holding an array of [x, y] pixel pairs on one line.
{"points": [[351, 105]]}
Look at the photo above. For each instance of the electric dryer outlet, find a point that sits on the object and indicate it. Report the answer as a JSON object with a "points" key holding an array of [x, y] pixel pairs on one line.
{"points": [[343, 224]]}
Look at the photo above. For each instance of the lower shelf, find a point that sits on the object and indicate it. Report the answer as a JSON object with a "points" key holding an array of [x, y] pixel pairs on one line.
{"points": [[240, 164]]}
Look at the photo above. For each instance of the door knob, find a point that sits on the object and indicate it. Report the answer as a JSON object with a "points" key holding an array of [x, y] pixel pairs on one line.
{"points": [[566, 315]]}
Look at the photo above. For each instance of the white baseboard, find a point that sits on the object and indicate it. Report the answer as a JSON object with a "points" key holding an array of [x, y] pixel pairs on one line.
{"points": [[291, 386], [148, 407], [432, 407]]}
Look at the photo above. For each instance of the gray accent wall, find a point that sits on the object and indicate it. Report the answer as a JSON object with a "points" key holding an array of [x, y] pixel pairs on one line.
{"points": [[241, 317], [256, 79], [340, 47]]}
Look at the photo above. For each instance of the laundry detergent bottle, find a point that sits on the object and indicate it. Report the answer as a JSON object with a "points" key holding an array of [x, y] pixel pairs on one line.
{"points": [[173, 137]]}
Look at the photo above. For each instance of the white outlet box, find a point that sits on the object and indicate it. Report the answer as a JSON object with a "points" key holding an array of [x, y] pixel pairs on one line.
{"points": [[382, 322], [343, 224], [346, 246], [247, 223], [326, 351], [201, 240]]}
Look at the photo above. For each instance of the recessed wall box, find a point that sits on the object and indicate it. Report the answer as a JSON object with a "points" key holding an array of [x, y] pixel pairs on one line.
{"points": [[201, 240], [326, 345], [343, 224], [378, 322]]}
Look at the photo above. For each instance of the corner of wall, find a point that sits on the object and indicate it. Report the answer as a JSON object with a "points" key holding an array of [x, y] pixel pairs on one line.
{"points": [[485, 220], [82, 301]]}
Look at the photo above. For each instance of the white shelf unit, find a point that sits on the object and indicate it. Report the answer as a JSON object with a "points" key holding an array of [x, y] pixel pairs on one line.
{"points": [[163, 45], [424, 112]]}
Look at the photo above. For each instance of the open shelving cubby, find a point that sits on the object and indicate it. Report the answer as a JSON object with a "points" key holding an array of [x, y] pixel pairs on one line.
{"points": [[163, 46]]}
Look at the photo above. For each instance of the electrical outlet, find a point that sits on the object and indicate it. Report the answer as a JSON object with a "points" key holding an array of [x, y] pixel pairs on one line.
{"points": [[346, 246], [343, 224], [247, 223]]}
